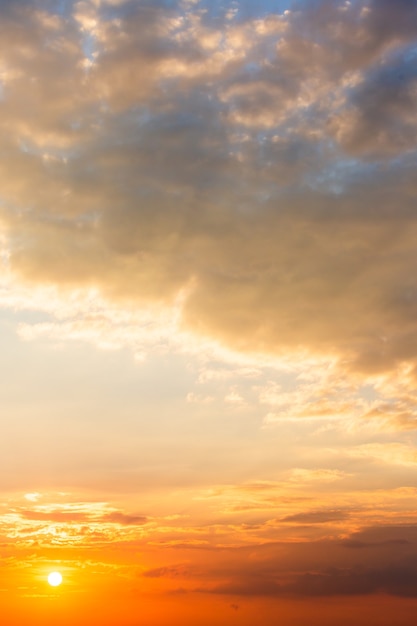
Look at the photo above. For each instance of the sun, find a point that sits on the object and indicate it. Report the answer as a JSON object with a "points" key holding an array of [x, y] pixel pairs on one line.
{"points": [[55, 579]]}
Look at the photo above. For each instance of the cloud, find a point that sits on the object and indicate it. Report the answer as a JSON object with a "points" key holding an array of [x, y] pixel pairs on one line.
{"points": [[183, 155], [395, 580], [54, 516], [398, 580], [388, 535], [359, 545], [173, 571], [316, 517], [63, 520], [381, 119], [320, 570], [390, 453], [124, 519]]}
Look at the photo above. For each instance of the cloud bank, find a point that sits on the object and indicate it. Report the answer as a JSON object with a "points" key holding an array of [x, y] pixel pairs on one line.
{"points": [[262, 167]]}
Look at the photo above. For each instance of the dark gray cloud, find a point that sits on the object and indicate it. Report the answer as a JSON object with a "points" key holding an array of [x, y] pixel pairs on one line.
{"points": [[381, 119], [359, 545], [326, 568], [396, 580]]}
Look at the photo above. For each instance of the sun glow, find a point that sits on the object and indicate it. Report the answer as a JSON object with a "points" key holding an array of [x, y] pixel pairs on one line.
{"points": [[55, 579]]}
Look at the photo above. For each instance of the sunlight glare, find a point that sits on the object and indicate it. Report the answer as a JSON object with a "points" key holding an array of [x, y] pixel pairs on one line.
{"points": [[55, 579]]}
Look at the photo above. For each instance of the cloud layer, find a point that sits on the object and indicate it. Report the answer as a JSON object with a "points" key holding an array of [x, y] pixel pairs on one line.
{"points": [[264, 167]]}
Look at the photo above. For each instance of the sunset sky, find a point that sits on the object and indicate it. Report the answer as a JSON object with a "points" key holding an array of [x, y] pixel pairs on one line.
{"points": [[208, 312]]}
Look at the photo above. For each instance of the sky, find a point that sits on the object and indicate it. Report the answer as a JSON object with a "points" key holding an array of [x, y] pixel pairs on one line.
{"points": [[208, 312]]}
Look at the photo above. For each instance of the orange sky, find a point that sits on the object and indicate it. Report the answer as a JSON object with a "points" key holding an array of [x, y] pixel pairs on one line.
{"points": [[208, 312]]}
